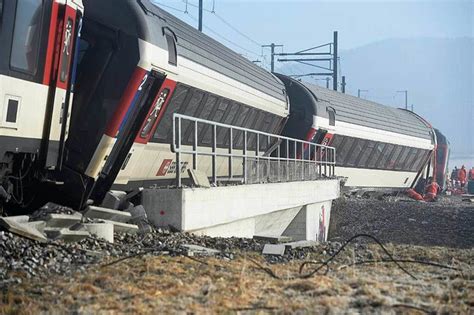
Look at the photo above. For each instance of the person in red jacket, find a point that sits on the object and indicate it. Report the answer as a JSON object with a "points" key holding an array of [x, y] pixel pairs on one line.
{"points": [[431, 191], [462, 176]]}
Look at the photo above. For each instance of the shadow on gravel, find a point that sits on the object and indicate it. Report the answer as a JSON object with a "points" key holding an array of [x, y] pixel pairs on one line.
{"points": [[448, 222]]}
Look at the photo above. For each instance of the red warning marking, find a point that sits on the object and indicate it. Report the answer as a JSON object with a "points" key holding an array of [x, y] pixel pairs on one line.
{"points": [[164, 167]]}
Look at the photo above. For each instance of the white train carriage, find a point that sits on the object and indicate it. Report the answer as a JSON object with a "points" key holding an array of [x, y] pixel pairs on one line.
{"points": [[376, 146], [37, 52], [137, 66]]}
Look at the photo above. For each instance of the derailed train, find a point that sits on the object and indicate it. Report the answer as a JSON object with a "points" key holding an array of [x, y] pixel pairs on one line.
{"points": [[88, 89]]}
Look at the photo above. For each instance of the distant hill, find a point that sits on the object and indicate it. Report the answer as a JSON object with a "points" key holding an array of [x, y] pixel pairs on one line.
{"points": [[438, 74]]}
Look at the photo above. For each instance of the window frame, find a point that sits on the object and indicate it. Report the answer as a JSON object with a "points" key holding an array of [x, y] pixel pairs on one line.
{"points": [[171, 42], [41, 39]]}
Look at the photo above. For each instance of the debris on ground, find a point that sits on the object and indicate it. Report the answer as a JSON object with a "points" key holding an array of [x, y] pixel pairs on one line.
{"points": [[181, 272], [54, 222]]}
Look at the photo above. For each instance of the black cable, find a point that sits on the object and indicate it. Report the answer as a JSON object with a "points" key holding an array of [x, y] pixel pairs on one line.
{"points": [[325, 263], [408, 261]]}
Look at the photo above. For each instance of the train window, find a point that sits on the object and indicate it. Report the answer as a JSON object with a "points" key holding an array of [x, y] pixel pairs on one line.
{"points": [[230, 118], [376, 155], [385, 156], [400, 163], [165, 125], [356, 152], [343, 152], [171, 41], [267, 123], [366, 153], [332, 115], [274, 125], [336, 141], [251, 123], [241, 116], [394, 157], [221, 114], [1, 9], [349, 150], [411, 159], [259, 122], [191, 110], [26, 35], [220, 111], [420, 160], [232, 113], [13, 105], [205, 132]]}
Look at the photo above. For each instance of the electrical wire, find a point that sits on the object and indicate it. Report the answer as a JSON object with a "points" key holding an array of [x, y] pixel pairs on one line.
{"points": [[169, 7], [224, 38], [223, 20], [236, 30]]}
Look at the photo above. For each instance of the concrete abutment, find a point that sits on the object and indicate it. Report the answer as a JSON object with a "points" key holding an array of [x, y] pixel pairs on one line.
{"points": [[300, 210]]}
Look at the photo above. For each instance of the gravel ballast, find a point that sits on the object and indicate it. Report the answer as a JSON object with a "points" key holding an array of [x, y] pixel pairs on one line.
{"points": [[157, 274]]}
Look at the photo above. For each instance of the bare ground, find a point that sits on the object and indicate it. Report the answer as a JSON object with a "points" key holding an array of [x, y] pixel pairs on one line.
{"points": [[163, 284]]}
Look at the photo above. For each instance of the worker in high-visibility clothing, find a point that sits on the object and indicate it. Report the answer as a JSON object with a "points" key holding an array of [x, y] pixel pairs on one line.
{"points": [[431, 191], [462, 175]]}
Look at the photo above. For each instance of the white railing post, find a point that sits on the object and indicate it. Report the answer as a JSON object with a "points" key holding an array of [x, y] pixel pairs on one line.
{"points": [[245, 165], [195, 146], [178, 154], [231, 175], [214, 145]]}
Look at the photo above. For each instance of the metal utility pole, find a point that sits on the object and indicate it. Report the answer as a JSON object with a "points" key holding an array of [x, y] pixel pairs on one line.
{"points": [[272, 47], [200, 15], [304, 57], [334, 62], [343, 84], [359, 90], [406, 97]]}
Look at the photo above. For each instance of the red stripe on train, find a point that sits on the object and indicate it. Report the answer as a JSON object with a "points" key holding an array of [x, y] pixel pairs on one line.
{"points": [[125, 101], [167, 84], [50, 53]]}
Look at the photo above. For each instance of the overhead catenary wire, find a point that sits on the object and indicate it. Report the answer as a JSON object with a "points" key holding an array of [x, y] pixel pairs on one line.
{"points": [[225, 38], [224, 21], [170, 7], [186, 12]]}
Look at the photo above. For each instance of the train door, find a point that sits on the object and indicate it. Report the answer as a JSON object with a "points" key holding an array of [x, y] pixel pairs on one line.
{"points": [[64, 32], [128, 131]]}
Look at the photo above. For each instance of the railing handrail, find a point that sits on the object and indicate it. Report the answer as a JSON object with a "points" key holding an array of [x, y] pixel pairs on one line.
{"points": [[218, 124], [306, 147]]}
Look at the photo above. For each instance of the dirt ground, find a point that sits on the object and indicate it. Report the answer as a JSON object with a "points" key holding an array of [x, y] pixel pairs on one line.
{"points": [[247, 284]]}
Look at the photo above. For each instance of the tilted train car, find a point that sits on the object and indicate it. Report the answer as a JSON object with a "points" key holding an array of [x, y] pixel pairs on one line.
{"points": [[376, 146], [88, 92], [136, 65], [37, 48]]}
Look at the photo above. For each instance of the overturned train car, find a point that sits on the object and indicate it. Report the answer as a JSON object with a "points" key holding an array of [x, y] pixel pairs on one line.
{"points": [[377, 147], [92, 89], [88, 89]]}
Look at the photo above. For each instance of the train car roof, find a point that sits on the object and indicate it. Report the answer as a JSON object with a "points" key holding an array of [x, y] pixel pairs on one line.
{"points": [[358, 111], [144, 19]]}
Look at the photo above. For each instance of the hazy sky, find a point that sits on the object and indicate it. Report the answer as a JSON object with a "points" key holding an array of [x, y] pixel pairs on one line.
{"points": [[302, 24]]}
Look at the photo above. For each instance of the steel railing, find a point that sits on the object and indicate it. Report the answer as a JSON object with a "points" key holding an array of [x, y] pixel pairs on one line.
{"points": [[282, 158]]}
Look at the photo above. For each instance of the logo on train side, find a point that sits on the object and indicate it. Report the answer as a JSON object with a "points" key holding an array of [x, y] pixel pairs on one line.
{"points": [[168, 166]]}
